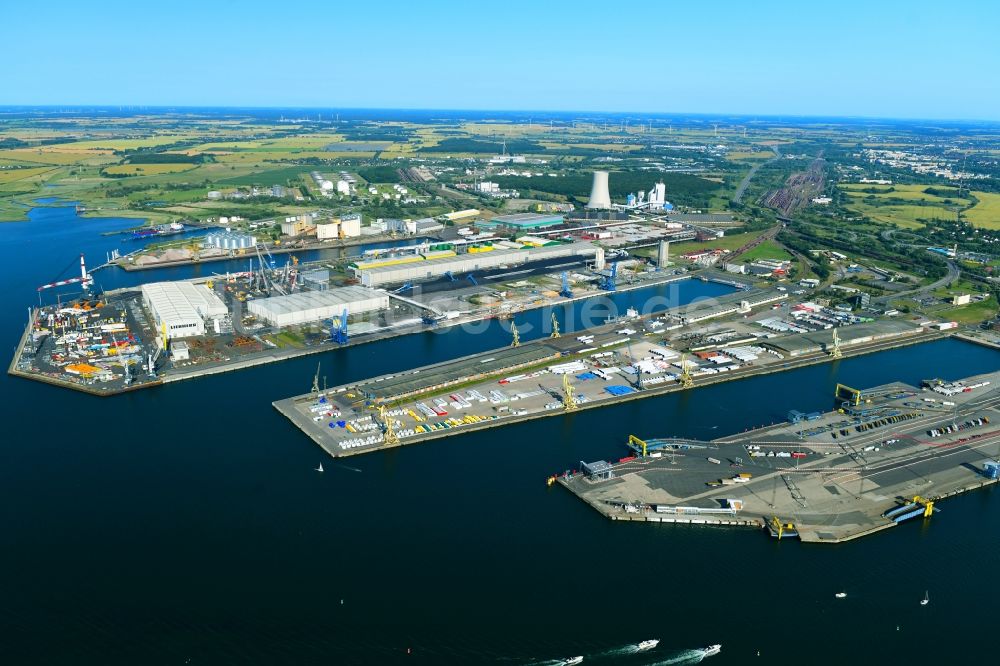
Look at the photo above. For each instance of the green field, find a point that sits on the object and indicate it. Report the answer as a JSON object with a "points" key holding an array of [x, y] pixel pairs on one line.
{"points": [[279, 176], [767, 250], [727, 242], [905, 206], [986, 213], [973, 313]]}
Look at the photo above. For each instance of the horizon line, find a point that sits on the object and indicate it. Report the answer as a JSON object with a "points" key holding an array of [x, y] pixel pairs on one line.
{"points": [[252, 107]]}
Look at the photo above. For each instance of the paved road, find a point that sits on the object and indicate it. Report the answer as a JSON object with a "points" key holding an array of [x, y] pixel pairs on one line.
{"points": [[738, 197], [951, 276]]}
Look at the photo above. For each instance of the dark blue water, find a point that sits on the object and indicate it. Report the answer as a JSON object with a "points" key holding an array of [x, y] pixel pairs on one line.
{"points": [[184, 524]]}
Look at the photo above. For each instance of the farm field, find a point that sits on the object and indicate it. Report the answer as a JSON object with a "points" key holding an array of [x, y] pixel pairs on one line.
{"points": [[147, 169], [986, 213]]}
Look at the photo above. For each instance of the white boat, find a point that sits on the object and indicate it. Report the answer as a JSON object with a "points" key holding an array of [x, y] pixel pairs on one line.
{"points": [[320, 468], [647, 645], [840, 595], [711, 650], [926, 600], [572, 660]]}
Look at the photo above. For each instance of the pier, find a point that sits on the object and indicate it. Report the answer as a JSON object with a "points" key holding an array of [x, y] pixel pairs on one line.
{"points": [[833, 478]]}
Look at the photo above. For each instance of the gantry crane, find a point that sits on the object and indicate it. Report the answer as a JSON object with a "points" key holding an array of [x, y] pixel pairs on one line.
{"points": [[555, 326], [516, 342], [835, 351]]}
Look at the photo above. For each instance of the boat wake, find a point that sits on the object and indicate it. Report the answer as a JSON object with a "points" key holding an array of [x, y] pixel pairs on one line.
{"points": [[683, 657], [348, 467]]}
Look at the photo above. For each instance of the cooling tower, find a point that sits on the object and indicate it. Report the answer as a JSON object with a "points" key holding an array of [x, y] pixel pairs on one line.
{"points": [[599, 197]]}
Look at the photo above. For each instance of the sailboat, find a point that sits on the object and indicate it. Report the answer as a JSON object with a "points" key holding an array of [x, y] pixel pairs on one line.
{"points": [[926, 600], [320, 468]]}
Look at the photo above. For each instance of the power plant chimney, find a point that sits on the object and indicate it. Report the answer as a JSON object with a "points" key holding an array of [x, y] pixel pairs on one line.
{"points": [[599, 197]]}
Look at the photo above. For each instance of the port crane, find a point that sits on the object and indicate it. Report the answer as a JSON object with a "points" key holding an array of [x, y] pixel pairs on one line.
{"points": [[555, 326], [516, 342], [85, 279], [569, 401], [565, 292], [338, 330], [835, 351], [389, 432], [685, 380], [609, 281]]}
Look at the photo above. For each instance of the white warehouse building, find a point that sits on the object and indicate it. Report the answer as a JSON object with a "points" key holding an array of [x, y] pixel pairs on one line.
{"points": [[182, 308], [310, 306]]}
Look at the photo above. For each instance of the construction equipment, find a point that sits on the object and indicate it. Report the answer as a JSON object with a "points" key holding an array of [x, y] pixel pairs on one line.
{"points": [[472, 279], [516, 342], [569, 402], [449, 275], [315, 386], [555, 326], [565, 292], [609, 281], [835, 352]]}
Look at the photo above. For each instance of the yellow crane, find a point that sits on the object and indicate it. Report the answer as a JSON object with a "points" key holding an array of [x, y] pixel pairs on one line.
{"points": [[635, 441], [569, 402], [686, 380], [926, 503], [391, 438], [516, 342], [555, 326]]}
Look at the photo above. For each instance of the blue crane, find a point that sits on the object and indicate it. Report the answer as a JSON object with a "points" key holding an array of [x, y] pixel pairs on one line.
{"points": [[566, 292], [338, 330], [472, 279], [608, 282]]}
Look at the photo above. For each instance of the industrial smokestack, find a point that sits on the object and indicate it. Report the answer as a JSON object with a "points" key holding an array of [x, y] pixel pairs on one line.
{"points": [[599, 197]]}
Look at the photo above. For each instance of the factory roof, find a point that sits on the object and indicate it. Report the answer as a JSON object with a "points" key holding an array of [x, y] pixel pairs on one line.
{"points": [[528, 219], [183, 300], [803, 342], [308, 300]]}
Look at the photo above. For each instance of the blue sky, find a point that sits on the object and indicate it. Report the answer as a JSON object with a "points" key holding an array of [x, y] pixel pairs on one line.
{"points": [[873, 58]]}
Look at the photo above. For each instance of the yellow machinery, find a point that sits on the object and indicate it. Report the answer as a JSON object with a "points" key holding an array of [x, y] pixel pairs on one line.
{"points": [[686, 380], [555, 326], [778, 529], [851, 396], [391, 438], [163, 329], [635, 441], [569, 402], [926, 503], [516, 342], [295, 260], [835, 352], [210, 284]]}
